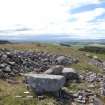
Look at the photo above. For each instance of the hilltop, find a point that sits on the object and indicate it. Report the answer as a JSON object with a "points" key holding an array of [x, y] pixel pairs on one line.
{"points": [[9, 92]]}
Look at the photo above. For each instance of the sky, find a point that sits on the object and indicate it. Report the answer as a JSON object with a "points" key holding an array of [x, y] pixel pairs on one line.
{"points": [[78, 18]]}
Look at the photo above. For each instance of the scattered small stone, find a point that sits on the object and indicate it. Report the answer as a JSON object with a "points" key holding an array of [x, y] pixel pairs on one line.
{"points": [[29, 96], [41, 97], [18, 96], [102, 88], [56, 70], [91, 86], [70, 74], [95, 57], [27, 92]]}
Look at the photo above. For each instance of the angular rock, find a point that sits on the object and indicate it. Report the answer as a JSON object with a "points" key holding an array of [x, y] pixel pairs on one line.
{"points": [[102, 88], [4, 57], [11, 63], [7, 69], [91, 77], [2, 65], [56, 70], [62, 60], [70, 74], [41, 83]]}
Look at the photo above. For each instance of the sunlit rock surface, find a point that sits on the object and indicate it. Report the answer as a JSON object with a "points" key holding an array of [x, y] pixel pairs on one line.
{"points": [[44, 82]]}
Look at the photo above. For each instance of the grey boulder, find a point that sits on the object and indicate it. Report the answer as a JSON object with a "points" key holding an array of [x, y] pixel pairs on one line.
{"points": [[62, 60], [70, 74], [56, 70], [7, 69], [41, 83]]}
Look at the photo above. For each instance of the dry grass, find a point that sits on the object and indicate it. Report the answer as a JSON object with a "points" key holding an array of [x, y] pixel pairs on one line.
{"points": [[9, 91]]}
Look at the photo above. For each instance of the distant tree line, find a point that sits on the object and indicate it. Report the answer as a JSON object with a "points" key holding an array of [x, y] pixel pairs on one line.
{"points": [[4, 42], [65, 44], [94, 49]]}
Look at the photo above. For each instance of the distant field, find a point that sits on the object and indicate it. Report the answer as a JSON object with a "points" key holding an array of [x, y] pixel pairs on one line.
{"points": [[100, 45]]}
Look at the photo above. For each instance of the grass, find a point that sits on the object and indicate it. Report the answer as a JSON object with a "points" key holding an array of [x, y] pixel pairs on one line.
{"points": [[9, 91]]}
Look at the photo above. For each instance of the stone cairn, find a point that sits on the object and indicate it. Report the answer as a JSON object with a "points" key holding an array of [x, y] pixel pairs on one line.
{"points": [[14, 62]]}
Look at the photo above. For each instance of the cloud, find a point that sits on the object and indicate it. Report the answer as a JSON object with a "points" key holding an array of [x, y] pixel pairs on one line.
{"points": [[79, 3], [87, 7], [89, 15], [13, 30], [40, 15], [34, 17]]}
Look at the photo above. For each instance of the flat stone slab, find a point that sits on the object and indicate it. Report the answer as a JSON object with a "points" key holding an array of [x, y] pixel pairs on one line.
{"points": [[55, 70], [44, 82], [68, 70]]}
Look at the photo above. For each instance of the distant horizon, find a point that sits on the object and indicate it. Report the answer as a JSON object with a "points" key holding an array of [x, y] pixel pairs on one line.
{"points": [[45, 37]]}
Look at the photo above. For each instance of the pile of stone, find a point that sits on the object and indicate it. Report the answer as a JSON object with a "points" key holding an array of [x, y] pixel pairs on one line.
{"points": [[98, 63], [92, 77], [102, 88], [14, 62], [68, 73], [84, 96], [51, 80]]}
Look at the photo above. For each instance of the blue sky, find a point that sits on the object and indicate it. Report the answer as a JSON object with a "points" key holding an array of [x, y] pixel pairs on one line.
{"points": [[78, 18]]}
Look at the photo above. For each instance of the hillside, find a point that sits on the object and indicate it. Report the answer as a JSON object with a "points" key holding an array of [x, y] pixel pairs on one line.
{"points": [[9, 92]]}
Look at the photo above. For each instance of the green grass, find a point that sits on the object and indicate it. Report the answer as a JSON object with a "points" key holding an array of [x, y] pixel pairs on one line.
{"points": [[9, 91]]}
